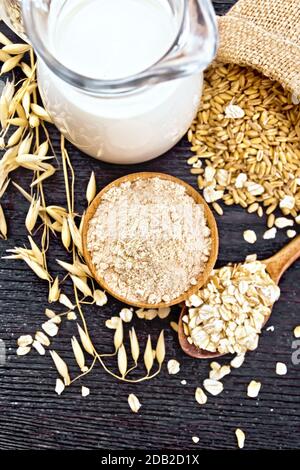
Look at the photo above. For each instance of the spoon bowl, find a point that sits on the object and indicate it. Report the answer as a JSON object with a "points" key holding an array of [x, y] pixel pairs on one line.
{"points": [[211, 222], [275, 266]]}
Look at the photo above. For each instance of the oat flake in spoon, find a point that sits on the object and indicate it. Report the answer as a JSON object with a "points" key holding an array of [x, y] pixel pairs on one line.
{"points": [[149, 240]]}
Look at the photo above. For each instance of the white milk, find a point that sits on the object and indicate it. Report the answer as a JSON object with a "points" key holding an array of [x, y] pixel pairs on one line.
{"points": [[112, 39]]}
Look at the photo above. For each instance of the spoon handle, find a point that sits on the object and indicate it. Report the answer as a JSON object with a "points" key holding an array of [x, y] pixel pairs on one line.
{"points": [[279, 263]]}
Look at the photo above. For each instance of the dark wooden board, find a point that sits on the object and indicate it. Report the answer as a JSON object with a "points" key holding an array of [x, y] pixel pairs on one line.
{"points": [[33, 416]]}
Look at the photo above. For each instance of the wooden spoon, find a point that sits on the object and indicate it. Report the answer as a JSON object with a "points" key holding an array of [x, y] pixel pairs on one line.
{"points": [[211, 222], [276, 266]]}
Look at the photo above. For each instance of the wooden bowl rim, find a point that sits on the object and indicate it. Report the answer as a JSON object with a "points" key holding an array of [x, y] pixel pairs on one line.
{"points": [[211, 222]]}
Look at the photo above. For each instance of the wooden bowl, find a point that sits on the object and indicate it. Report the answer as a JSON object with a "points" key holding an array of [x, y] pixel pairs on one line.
{"points": [[211, 222]]}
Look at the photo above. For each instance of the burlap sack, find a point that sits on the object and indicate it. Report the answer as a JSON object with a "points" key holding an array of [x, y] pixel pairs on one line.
{"points": [[265, 35]]}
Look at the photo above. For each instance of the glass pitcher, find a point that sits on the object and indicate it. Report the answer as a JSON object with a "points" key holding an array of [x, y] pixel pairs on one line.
{"points": [[121, 79]]}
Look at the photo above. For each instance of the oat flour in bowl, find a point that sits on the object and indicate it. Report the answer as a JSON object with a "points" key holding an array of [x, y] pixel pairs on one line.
{"points": [[149, 240]]}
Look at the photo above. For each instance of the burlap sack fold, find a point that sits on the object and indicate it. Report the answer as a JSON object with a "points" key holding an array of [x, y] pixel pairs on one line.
{"points": [[265, 35]]}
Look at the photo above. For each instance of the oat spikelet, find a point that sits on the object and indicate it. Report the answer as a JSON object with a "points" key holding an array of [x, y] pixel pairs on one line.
{"points": [[37, 269], [15, 137], [174, 326], [65, 234], [61, 367], [54, 291], [41, 112], [64, 300], [81, 223], [82, 286], [91, 188], [43, 149], [3, 111], [160, 348], [86, 341], [122, 360], [26, 70], [16, 48], [148, 355], [32, 215], [34, 121], [75, 234], [25, 145], [36, 252], [3, 225], [26, 104], [23, 192], [59, 387], [134, 403], [118, 337], [4, 40], [78, 353], [74, 269], [17, 121], [11, 63], [134, 344]]}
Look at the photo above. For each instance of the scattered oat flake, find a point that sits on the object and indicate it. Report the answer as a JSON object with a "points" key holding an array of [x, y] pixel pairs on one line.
{"points": [[59, 387], [71, 316], [200, 396], [269, 234], [218, 374], [195, 300], [270, 328], [240, 435], [126, 315], [112, 323], [253, 389], [288, 202], [183, 382], [250, 236], [281, 368], [214, 387], [25, 340], [150, 314], [195, 439], [237, 361], [140, 313], [39, 347], [211, 195], [42, 338], [134, 403], [234, 111], [49, 313], [23, 350], [173, 366], [295, 99], [50, 328], [283, 222], [174, 326], [100, 298], [297, 332], [241, 180], [85, 391], [64, 300], [291, 233], [251, 258], [164, 312]]}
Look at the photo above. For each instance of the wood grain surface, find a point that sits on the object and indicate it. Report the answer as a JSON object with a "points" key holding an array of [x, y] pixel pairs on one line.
{"points": [[32, 416]]}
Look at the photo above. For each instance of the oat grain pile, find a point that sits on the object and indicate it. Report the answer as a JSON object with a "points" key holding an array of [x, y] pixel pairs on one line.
{"points": [[246, 142], [149, 240]]}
